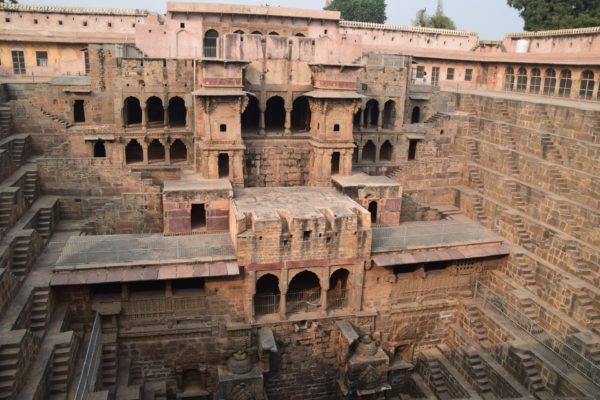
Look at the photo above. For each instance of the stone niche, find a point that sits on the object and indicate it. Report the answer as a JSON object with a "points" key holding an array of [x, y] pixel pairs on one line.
{"points": [[199, 205], [380, 195]]}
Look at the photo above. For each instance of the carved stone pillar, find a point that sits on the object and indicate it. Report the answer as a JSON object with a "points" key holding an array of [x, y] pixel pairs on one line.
{"points": [[166, 117], [144, 117], [261, 119], [288, 122]]}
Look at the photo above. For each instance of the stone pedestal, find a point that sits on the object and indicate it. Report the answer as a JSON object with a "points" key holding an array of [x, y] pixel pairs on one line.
{"points": [[240, 379]]}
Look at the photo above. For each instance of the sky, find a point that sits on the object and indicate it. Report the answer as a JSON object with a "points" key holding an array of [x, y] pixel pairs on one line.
{"points": [[492, 19]]}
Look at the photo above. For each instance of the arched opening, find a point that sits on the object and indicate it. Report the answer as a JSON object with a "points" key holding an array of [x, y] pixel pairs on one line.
{"points": [[389, 114], [266, 299], [299, 34], [536, 81], [416, 115], [550, 82], [210, 43], [156, 151], [156, 112], [251, 116], [369, 150], [257, 33], [178, 151], [134, 152], [301, 115], [132, 111], [239, 32], [566, 83], [304, 293], [337, 295], [275, 114], [335, 163], [371, 113], [509, 79], [373, 211], [223, 165], [273, 34], [355, 154], [177, 112], [99, 149], [385, 153], [356, 120], [586, 87], [522, 80]]}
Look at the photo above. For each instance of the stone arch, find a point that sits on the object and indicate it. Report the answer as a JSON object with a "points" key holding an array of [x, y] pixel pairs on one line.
{"points": [[304, 292], [177, 112], [521, 80], [565, 84], [267, 295], [386, 151], [275, 114], [389, 114], [355, 154], [209, 43], [371, 113], [301, 115], [356, 119], [178, 151], [586, 86], [509, 79], [155, 111], [239, 32], [549, 82], [337, 293], [99, 149], [250, 119], [132, 111], [299, 34], [134, 152], [156, 151], [369, 150], [273, 33], [256, 32], [415, 117]]}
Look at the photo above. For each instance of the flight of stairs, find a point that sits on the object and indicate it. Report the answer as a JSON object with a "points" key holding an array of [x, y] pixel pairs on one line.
{"points": [[591, 313], [528, 308], [572, 226], [44, 223], [473, 150], [109, 365], [39, 310], [478, 209], [6, 205], [9, 359], [476, 364], [475, 179], [61, 358], [437, 381], [532, 376], [558, 179], [474, 322], [582, 268], [549, 150], [523, 235], [56, 118], [434, 118], [20, 257], [506, 133], [510, 157], [4, 120], [30, 186], [18, 147], [516, 196], [524, 270]]}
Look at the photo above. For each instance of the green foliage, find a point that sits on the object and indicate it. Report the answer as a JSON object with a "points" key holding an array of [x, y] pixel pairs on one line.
{"points": [[360, 10], [438, 20], [557, 14]]}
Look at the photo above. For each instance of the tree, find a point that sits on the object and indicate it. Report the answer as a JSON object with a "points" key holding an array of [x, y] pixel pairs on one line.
{"points": [[438, 20], [557, 14], [360, 10]]}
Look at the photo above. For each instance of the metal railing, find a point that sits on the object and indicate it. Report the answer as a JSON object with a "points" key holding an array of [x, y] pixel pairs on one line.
{"points": [[436, 288], [573, 357], [337, 298], [265, 304], [156, 308], [91, 363], [303, 300], [210, 51]]}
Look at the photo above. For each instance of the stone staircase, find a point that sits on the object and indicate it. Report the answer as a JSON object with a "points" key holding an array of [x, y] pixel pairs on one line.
{"points": [[30, 186], [478, 210], [510, 157], [507, 134], [582, 268], [571, 223], [522, 234], [109, 365], [533, 380], [9, 360], [473, 150], [434, 119], [517, 200], [528, 308], [549, 150], [558, 179], [6, 205], [44, 223], [524, 269], [591, 313], [61, 359], [39, 310], [4, 120], [20, 256], [475, 179], [17, 151], [436, 380], [479, 374], [468, 105], [473, 321], [56, 118]]}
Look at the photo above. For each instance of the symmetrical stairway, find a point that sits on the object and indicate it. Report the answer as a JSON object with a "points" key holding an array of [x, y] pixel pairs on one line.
{"points": [[4, 120], [483, 382], [9, 360], [20, 256], [523, 235], [39, 310]]}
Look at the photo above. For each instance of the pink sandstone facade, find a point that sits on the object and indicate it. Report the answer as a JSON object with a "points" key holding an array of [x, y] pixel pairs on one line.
{"points": [[237, 202]]}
